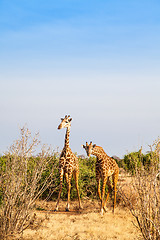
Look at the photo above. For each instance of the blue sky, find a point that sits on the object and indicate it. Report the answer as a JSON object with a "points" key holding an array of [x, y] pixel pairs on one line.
{"points": [[95, 60]]}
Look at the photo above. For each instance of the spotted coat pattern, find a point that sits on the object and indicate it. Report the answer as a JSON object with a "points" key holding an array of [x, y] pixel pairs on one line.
{"points": [[68, 164], [105, 167]]}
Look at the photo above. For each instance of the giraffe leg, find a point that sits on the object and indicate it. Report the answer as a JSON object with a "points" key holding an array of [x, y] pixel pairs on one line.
{"points": [[103, 195], [60, 189], [109, 190], [115, 180], [68, 181], [98, 179], [98, 188], [76, 175]]}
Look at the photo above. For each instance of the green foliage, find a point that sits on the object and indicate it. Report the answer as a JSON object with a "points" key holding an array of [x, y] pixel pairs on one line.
{"points": [[3, 160], [133, 160], [53, 170], [137, 160], [87, 178]]}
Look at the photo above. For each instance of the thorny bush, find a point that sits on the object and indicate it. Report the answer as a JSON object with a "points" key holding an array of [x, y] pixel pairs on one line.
{"points": [[21, 183], [146, 185]]}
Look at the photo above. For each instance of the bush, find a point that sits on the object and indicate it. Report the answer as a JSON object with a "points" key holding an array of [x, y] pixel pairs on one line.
{"points": [[21, 183], [133, 160], [146, 183], [87, 179]]}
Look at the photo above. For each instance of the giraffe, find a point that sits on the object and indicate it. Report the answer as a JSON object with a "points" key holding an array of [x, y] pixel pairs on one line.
{"points": [[68, 164], [105, 167]]}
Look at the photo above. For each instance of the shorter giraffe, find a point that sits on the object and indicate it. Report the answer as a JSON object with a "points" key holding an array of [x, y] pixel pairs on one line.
{"points": [[105, 167]]}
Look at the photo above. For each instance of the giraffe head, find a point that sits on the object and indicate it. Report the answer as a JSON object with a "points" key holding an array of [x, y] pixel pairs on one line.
{"points": [[89, 148], [65, 122]]}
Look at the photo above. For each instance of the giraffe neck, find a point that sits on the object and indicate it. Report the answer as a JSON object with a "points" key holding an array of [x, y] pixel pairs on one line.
{"points": [[98, 151], [67, 138]]}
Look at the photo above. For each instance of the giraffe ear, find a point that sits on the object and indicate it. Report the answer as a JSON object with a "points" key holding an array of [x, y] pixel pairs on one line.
{"points": [[82, 146], [62, 119], [94, 145], [70, 119]]}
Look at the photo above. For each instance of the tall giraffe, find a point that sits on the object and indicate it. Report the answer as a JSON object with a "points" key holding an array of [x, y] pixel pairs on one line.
{"points": [[68, 164], [105, 167]]}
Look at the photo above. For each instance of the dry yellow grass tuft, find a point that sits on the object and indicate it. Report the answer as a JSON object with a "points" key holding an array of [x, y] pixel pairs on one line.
{"points": [[83, 225]]}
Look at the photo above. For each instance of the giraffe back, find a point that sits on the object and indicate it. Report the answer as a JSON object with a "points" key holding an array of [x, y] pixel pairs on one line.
{"points": [[105, 164]]}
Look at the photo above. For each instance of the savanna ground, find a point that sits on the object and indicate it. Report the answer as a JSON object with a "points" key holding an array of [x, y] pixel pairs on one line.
{"points": [[84, 224]]}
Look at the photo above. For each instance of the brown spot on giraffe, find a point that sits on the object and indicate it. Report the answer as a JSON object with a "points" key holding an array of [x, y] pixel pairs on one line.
{"points": [[105, 167], [68, 164]]}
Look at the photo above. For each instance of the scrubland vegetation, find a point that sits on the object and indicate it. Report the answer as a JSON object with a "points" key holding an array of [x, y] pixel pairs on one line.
{"points": [[29, 187]]}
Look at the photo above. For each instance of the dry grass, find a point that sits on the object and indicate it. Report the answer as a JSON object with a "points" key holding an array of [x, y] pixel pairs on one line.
{"points": [[126, 190], [86, 224], [83, 225]]}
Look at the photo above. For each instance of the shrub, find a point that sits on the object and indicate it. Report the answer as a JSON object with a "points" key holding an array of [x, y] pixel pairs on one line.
{"points": [[87, 179], [146, 183], [132, 160], [21, 183]]}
